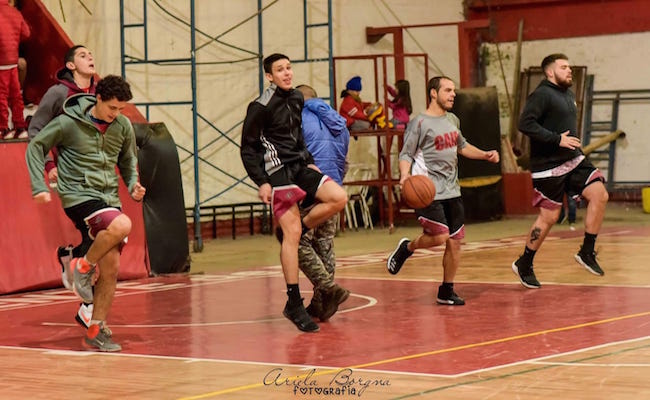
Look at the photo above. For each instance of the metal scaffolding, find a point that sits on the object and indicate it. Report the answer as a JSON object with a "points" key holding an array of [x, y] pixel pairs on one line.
{"points": [[195, 153]]}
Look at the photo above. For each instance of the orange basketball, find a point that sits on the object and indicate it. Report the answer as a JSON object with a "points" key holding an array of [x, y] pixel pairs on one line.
{"points": [[418, 191]]}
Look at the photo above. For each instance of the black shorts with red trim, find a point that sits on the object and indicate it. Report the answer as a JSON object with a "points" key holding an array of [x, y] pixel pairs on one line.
{"points": [[443, 217], [549, 192]]}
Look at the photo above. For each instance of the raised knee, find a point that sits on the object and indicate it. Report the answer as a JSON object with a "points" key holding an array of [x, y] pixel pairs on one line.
{"points": [[341, 200], [121, 225]]}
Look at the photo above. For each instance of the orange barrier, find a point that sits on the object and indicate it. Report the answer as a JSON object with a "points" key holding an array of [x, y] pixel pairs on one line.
{"points": [[30, 232]]}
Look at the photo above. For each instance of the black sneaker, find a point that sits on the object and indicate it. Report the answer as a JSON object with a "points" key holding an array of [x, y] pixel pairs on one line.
{"points": [[449, 298], [399, 256], [588, 260], [331, 299], [298, 315], [526, 276]]}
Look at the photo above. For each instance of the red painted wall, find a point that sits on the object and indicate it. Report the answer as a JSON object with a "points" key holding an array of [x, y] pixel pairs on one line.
{"points": [[30, 232], [552, 19]]}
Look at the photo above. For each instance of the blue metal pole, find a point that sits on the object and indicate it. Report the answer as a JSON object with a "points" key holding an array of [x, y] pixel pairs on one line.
{"points": [[260, 46], [123, 66], [198, 240], [330, 57], [305, 24], [144, 28]]}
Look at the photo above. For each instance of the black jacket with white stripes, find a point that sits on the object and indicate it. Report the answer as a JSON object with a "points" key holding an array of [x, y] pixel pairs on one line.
{"points": [[272, 133]]}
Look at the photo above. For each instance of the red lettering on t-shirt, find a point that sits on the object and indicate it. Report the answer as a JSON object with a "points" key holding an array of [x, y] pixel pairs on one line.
{"points": [[447, 140]]}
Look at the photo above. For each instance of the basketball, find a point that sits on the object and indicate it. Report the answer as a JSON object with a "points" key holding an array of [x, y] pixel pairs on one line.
{"points": [[418, 191]]}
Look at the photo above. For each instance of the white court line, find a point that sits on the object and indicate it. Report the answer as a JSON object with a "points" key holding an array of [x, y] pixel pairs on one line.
{"points": [[568, 364], [371, 302], [85, 353]]}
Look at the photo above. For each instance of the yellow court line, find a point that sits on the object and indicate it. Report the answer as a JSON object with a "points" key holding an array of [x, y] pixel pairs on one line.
{"points": [[430, 353]]}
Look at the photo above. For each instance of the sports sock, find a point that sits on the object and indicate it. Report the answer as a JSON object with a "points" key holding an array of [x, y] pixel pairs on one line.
{"points": [[89, 263], [96, 322], [526, 259], [293, 292], [589, 242]]}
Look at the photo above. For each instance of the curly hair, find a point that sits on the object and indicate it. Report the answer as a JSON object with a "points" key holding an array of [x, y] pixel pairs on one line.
{"points": [[113, 86]]}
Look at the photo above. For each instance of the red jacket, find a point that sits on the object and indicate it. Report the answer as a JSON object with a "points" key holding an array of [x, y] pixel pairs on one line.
{"points": [[14, 30], [352, 109]]}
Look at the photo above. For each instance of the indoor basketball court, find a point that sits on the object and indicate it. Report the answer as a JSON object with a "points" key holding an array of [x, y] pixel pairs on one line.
{"points": [[223, 335]]}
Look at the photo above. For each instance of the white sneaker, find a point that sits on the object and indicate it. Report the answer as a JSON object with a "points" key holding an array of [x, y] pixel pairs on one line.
{"points": [[84, 315], [10, 134], [63, 257]]}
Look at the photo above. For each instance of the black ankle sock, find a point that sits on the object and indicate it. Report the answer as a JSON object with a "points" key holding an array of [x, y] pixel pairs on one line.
{"points": [[526, 259], [589, 242], [293, 292], [448, 285]]}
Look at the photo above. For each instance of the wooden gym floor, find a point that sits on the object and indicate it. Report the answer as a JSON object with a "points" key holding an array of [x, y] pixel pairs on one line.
{"points": [[219, 333]]}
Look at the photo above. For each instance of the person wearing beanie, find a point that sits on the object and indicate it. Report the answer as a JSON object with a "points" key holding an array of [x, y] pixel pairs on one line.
{"points": [[354, 84], [352, 108]]}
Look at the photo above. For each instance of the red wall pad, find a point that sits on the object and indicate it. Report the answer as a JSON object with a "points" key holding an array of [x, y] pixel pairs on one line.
{"points": [[30, 232]]}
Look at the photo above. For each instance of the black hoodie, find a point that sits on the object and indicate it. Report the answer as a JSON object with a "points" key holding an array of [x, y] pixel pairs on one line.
{"points": [[550, 111]]}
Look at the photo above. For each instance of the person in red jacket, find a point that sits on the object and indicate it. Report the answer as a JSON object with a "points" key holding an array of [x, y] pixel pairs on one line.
{"points": [[14, 30], [360, 115], [352, 108]]}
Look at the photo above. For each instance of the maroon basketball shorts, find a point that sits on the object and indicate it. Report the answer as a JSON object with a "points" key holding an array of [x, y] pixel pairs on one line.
{"points": [[93, 216], [292, 184]]}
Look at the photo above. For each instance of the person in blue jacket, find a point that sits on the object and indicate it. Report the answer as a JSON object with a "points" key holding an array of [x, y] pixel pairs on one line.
{"points": [[327, 138]]}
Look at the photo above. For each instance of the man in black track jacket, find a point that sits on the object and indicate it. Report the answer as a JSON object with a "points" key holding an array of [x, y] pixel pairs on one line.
{"points": [[275, 156]]}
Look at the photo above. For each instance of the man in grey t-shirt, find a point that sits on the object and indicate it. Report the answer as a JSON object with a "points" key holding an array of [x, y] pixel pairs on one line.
{"points": [[432, 142]]}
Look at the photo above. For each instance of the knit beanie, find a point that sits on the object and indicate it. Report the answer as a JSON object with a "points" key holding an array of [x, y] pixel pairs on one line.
{"points": [[354, 84]]}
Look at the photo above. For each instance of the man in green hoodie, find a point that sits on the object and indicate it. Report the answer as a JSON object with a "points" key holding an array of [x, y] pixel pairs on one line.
{"points": [[92, 137]]}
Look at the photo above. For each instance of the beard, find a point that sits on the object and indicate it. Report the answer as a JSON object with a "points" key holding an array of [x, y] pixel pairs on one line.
{"points": [[445, 105], [565, 83]]}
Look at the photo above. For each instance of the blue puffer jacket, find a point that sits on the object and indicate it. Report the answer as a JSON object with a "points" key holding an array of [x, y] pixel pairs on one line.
{"points": [[326, 136]]}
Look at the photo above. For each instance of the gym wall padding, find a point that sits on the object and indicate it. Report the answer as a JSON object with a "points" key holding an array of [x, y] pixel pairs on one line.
{"points": [[164, 205], [478, 111], [30, 232]]}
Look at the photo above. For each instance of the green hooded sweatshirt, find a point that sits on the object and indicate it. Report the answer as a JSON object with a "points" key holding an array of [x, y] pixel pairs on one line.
{"points": [[86, 158]]}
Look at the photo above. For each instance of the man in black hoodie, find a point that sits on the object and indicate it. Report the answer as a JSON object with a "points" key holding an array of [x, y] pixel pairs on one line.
{"points": [[549, 119], [274, 154]]}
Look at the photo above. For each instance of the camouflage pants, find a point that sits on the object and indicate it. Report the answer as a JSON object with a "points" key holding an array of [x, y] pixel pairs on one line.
{"points": [[316, 257]]}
